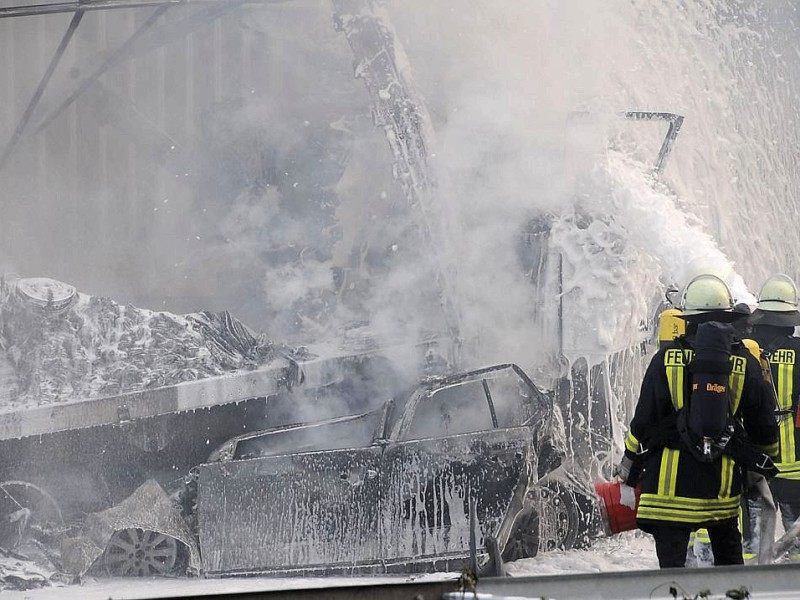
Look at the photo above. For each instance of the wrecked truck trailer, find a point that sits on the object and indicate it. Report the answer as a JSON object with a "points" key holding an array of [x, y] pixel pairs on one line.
{"points": [[98, 397], [467, 470]]}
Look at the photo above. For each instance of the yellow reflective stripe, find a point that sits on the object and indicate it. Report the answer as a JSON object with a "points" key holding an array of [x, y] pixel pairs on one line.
{"points": [[726, 477], [784, 383], [789, 470], [631, 443], [674, 363], [736, 380], [742, 517], [668, 474], [684, 516], [701, 536], [786, 428], [687, 503], [784, 360], [771, 449]]}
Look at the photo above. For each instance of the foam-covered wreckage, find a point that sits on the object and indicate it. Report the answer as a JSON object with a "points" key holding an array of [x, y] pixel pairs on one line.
{"points": [[97, 399], [465, 471], [465, 468], [144, 535], [61, 345], [95, 395]]}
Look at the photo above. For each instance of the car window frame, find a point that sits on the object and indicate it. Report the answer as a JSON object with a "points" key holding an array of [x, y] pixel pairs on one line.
{"points": [[377, 434], [403, 425]]}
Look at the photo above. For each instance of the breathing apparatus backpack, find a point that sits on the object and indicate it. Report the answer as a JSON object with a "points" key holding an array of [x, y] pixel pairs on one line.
{"points": [[701, 438], [706, 423]]}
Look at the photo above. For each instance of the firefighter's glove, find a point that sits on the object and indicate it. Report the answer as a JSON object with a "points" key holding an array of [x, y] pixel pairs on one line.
{"points": [[758, 491], [763, 465], [623, 470], [753, 478]]}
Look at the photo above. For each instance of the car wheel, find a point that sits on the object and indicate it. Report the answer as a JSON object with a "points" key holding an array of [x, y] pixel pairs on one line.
{"points": [[143, 553], [559, 519]]}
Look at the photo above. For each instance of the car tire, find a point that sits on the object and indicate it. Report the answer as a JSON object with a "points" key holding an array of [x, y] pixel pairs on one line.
{"points": [[144, 553], [560, 522]]}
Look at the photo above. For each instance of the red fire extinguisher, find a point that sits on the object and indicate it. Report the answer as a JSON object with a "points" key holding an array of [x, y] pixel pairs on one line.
{"points": [[618, 503]]}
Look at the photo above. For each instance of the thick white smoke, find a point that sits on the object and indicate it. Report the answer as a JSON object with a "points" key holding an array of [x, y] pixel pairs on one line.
{"points": [[280, 187], [501, 80]]}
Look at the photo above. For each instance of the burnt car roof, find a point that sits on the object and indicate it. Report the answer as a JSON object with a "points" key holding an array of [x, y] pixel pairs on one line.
{"points": [[392, 415]]}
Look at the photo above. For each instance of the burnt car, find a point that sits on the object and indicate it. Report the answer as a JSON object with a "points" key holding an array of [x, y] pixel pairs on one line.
{"points": [[454, 474]]}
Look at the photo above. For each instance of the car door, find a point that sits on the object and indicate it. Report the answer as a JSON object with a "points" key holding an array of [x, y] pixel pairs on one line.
{"points": [[459, 445], [308, 511]]}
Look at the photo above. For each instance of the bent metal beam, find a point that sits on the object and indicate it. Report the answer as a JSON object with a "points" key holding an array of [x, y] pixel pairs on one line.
{"points": [[29, 10]]}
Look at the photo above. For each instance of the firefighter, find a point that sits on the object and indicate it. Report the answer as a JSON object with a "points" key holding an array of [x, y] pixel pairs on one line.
{"points": [[670, 327], [690, 483], [773, 325]]}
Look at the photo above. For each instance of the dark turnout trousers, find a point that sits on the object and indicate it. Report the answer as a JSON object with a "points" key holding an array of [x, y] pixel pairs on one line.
{"points": [[671, 542]]}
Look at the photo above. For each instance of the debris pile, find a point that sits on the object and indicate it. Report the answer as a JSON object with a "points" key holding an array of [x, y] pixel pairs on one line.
{"points": [[19, 573], [58, 345]]}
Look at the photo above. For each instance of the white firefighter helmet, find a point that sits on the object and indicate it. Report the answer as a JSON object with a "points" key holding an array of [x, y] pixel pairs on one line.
{"points": [[779, 294], [706, 293]]}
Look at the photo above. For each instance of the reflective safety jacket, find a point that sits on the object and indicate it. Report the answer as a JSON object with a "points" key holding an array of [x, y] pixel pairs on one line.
{"points": [[783, 353], [676, 487]]}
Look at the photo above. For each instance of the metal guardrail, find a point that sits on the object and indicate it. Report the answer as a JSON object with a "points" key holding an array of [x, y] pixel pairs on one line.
{"points": [[774, 581], [760, 582]]}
